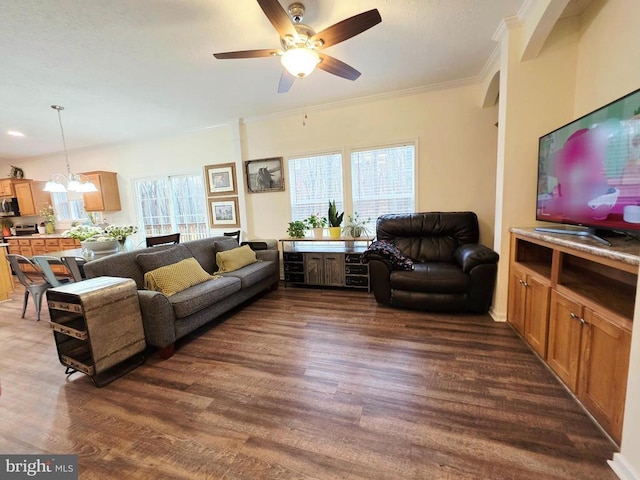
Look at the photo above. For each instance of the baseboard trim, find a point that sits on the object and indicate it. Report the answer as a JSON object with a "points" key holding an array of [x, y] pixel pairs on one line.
{"points": [[497, 317], [622, 468]]}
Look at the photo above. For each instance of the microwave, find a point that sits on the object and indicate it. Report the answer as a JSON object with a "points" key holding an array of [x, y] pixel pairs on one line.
{"points": [[9, 207]]}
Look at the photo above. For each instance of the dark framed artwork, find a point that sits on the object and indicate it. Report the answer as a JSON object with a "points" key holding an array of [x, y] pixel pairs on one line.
{"points": [[264, 175], [221, 179], [223, 212]]}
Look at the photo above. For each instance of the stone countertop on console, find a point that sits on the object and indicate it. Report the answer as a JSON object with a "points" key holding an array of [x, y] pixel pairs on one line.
{"points": [[623, 249]]}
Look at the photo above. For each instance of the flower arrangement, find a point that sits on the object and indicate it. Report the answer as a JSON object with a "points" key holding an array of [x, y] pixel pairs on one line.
{"points": [[48, 213], [120, 232], [83, 232]]}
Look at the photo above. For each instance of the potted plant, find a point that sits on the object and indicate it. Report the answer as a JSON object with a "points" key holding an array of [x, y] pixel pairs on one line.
{"points": [[335, 220], [317, 224], [356, 227], [296, 229]]}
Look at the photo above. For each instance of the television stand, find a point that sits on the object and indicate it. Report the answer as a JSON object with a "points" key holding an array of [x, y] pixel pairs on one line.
{"points": [[589, 233]]}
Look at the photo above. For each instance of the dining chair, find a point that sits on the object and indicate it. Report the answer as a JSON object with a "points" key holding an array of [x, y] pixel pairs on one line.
{"points": [[45, 262], [171, 239], [256, 245], [35, 283], [235, 234], [75, 265]]}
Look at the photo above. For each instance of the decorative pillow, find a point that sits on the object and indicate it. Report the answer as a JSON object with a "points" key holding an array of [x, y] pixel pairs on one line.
{"points": [[230, 260], [157, 257], [390, 252], [176, 277]]}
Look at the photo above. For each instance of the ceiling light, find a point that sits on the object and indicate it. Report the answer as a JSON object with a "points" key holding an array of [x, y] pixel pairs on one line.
{"points": [[71, 182], [300, 62], [15, 133]]}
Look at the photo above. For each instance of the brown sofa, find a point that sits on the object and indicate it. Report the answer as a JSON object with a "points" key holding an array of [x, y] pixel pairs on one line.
{"points": [[451, 271]]}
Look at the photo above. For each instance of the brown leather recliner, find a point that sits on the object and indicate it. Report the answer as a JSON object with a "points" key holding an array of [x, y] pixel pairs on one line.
{"points": [[452, 272]]}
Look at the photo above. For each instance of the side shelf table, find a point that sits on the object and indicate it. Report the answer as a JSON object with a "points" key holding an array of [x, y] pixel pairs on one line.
{"points": [[97, 327], [329, 262]]}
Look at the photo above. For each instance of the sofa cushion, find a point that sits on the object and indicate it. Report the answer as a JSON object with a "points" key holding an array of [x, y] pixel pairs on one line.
{"points": [[234, 259], [203, 295], [152, 258], [254, 273], [174, 278], [434, 277]]}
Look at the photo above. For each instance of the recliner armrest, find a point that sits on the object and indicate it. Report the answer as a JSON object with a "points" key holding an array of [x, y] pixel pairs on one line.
{"points": [[473, 254]]}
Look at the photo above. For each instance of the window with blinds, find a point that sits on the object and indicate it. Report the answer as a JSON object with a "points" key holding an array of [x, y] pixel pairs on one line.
{"points": [[173, 204], [313, 181], [383, 181]]}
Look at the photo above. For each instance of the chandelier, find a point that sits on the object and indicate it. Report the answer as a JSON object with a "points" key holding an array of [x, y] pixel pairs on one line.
{"points": [[300, 61], [71, 182]]}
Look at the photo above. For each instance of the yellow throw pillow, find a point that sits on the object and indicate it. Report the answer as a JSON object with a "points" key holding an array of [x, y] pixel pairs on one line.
{"points": [[230, 260], [176, 277]]}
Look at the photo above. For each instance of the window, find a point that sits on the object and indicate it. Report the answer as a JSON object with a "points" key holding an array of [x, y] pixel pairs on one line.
{"points": [[313, 182], [69, 207], [382, 180], [173, 204]]}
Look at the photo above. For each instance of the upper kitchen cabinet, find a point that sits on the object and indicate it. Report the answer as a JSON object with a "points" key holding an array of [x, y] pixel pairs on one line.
{"points": [[31, 196], [6, 188], [107, 198]]}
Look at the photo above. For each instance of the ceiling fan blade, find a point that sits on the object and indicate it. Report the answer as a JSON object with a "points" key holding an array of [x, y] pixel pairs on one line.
{"points": [[286, 80], [348, 28], [267, 52], [278, 17], [337, 67]]}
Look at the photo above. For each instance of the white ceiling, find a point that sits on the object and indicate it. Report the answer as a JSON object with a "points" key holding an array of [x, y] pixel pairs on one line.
{"points": [[132, 69]]}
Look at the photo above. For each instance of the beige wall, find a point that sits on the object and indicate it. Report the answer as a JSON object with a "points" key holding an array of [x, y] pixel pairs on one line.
{"points": [[608, 68], [456, 141]]}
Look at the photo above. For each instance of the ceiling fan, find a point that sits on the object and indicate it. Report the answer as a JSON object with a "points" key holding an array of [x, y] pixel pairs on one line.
{"points": [[301, 44]]}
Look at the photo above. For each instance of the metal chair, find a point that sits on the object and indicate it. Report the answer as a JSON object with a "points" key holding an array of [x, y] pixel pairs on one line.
{"points": [[171, 239], [45, 262], [75, 265], [235, 235], [35, 283]]}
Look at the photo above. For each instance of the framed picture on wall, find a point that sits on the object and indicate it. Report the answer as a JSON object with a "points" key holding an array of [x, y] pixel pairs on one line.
{"points": [[221, 179], [223, 212], [264, 175]]}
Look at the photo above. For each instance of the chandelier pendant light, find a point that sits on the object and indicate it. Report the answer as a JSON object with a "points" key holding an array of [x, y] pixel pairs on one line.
{"points": [[71, 182]]}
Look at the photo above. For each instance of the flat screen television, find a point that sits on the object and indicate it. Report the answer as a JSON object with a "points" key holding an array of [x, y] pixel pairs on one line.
{"points": [[589, 170]]}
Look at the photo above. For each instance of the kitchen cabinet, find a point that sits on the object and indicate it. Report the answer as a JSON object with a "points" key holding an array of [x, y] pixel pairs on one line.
{"points": [[6, 188], [31, 197], [107, 198], [573, 302]]}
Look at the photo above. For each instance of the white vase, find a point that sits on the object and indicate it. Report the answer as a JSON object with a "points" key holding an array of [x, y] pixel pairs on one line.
{"points": [[318, 232]]}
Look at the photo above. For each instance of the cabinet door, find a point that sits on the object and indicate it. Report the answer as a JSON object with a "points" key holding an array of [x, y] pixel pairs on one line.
{"points": [[93, 201], [603, 371], [517, 298], [536, 315], [25, 198], [565, 330], [313, 268], [334, 269], [6, 188]]}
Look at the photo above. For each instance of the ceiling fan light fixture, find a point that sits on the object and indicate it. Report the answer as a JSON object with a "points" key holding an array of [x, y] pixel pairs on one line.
{"points": [[300, 62]]}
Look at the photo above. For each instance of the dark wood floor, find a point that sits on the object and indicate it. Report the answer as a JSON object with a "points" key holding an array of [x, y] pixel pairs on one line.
{"points": [[306, 384]]}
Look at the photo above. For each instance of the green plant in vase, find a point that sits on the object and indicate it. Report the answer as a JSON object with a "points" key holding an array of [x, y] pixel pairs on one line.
{"points": [[356, 227], [296, 229], [317, 223], [335, 219]]}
